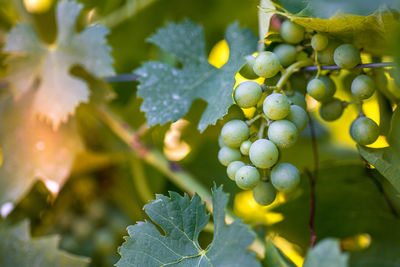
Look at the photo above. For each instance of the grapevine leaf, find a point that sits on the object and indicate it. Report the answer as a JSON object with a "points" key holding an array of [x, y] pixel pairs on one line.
{"points": [[370, 33], [326, 253], [274, 257], [30, 60], [348, 203], [182, 220], [31, 149], [18, 249], [168, 92]]}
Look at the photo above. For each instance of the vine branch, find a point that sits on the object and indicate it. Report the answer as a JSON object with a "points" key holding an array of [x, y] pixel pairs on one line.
{"points": [[359, 66]]}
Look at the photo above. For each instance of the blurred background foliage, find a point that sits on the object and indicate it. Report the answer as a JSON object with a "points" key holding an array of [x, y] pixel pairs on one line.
{"points": [[109, 185]]}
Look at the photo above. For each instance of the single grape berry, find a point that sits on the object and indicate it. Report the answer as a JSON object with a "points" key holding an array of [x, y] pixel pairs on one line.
{"points": [[319, 42], [286, 54], [291, 32], [364, 131], [266, 64], [285, 177], [247, 70], [317, 89], [247, 94], [226, 155], [298, 116], [362, 87], [263, 153], [301, 56], [247, 177], [264, 193], [233, 167], [245, 147], [332, 110], [330, 86], [298, 99], [325, 57], [282, 133], [276, 106], [347, 56], [220, 141], [234, 133]]}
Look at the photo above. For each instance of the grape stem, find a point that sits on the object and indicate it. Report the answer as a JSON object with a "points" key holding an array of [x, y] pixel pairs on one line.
{"points": [[261, 130], [251, 121], [290, 70], [359, 66]]}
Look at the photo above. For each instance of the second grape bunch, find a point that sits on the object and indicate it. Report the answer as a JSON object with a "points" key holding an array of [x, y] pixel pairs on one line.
{"points": [[251, 149]]}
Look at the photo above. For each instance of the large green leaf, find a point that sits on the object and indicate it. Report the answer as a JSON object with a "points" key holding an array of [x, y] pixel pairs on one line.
{"points": [[182, 220], [326, 253], [348, 203], [168, 92], [18, 249], [31, 149], [30, 60], [370, 33]]}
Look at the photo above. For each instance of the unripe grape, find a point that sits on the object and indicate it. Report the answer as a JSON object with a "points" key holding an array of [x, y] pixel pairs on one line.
{"points": [[233, 167], [282, 133], [364, 131], [245, 147], [264, 193], [298, 99], [319, 42], [263, 153], [325, 57], [276, 106], [266, 64], [247, 94], [234, 133], [331, 110], [285, 177], [298, 116], [247, 70], [247, 177], [286, 54], [330, 86], [226, 155], [220, 141], [291, 32], [317, 89], [301, 56], [347, 56], [362, 87]]}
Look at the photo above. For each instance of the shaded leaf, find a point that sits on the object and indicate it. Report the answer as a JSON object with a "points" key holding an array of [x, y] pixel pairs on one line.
{"points": [[182, 220], [18, 249], [326, 253], [168, 92], [274, 257], [30, 60]]}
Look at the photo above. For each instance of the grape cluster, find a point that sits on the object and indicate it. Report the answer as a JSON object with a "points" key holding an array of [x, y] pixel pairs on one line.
{"points": [[250, 149]]}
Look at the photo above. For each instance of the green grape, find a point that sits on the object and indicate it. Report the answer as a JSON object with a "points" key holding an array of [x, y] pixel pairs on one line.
{"points": [[263, 153], [330, 86], [276, 106], [266, 64], [264, 193], [286, 54], [247, 94], [298, 116], [364, 131], [247, 177], [247, 70], [301, 56], [285, 177], [332, 110], [319, 42], [291, 32], [233, 167], [298, 99], [298, 82], [317, 89], [347, 56], [234, 133], [245, 147], [362, 87], [234, 113], [325, 57], [220, 141], [226, 155], [282, 133]]}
